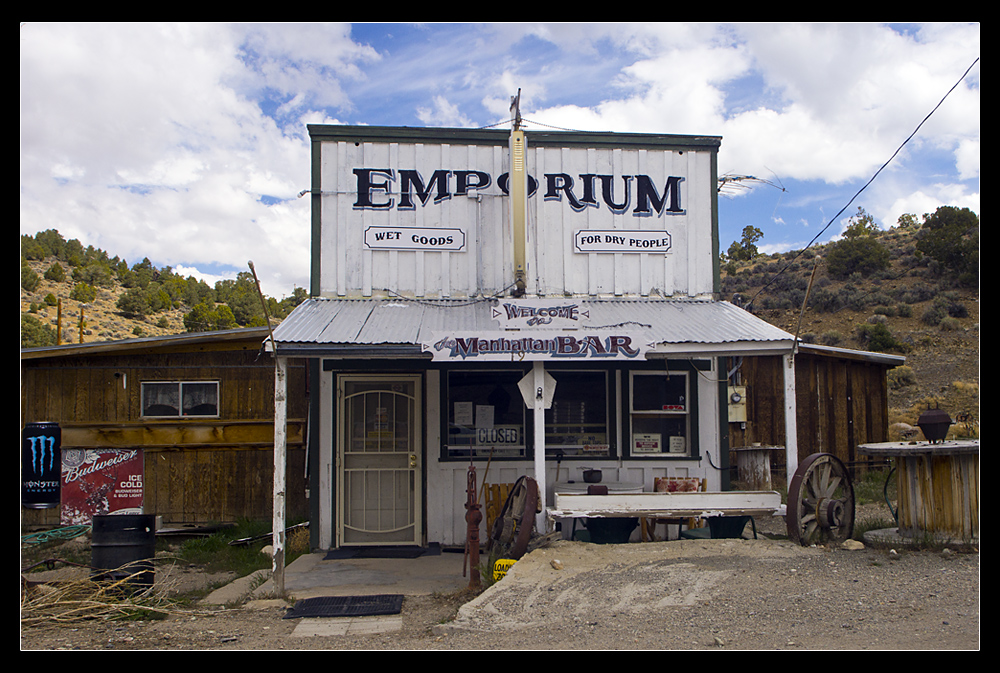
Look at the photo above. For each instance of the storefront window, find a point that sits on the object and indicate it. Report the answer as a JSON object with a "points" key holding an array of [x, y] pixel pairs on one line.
{"points": [[180, 398], [577, 424], [485, 414], [660, 413]]}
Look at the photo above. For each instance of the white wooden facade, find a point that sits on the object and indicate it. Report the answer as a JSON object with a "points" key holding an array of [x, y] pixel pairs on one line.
{"points": [[418, 224], [408, 184]]}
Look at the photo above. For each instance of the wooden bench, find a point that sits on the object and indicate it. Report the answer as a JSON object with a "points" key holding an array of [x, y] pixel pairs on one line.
{"points": [[698, 504]]}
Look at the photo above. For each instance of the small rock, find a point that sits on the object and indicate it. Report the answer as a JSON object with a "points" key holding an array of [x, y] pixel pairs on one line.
{"points": [[853, 545], [719, 641], [556, 563]]}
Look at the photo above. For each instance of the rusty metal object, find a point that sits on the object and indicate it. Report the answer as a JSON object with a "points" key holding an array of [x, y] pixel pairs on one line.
{"points": [[473, 517], [934, 423], [512, 529], [820, 501]]}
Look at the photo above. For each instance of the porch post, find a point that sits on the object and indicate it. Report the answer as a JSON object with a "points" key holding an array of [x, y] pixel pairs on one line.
{"points": [[791, 429], [278, 521], [539, 406]]}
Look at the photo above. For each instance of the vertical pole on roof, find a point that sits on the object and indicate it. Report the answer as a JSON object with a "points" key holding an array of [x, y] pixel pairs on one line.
{"points": [[518, 189], [538, 370]]}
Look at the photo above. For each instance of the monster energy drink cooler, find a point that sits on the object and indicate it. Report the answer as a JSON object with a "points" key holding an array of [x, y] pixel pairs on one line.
{"points": [[41, 465]]}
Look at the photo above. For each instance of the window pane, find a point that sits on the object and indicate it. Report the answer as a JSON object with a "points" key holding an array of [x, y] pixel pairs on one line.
{"points": [[656, 435], [485, 414], [200, 399], [660, 415], [577, 422], [659, 392], [160, 399]]}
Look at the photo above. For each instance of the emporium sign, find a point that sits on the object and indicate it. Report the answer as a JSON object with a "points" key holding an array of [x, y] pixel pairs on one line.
{"points": [[641, 195], [518, 345]]}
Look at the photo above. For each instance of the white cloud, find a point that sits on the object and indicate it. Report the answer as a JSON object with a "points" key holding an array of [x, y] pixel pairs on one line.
{"points": [[443, 114], [160, 140]]}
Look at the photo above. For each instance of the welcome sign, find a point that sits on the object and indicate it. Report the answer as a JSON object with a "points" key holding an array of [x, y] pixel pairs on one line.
{"points": [[519, 313]]}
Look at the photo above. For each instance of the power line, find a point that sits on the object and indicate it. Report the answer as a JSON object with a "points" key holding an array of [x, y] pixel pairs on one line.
{"points": [[871, 180]]}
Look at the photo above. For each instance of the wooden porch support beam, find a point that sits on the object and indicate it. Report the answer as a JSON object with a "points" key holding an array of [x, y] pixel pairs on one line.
{"points": [[791, 428], [538, 371], [280, 449]]}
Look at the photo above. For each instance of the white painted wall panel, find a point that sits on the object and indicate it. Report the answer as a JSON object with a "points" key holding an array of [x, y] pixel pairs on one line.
{"points": [[579, 188]]}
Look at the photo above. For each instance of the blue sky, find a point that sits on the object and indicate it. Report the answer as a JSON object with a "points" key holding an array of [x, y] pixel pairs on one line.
{"points": [[187, 143]]}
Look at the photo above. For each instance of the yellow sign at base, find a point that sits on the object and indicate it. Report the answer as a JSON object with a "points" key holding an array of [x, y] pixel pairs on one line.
{"points": [[501, 567]]}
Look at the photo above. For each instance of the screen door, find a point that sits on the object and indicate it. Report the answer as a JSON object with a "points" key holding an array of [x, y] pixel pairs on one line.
{"points": [[378, 494]]}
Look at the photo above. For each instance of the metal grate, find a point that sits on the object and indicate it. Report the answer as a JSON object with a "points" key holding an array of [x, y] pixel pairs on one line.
{"points": [[346, 606]]}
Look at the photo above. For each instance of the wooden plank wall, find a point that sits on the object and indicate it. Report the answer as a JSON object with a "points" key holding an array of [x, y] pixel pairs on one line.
{"points": [[196, 470], [841, 403]]}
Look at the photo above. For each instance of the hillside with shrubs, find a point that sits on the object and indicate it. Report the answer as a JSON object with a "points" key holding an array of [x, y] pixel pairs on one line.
{"points": [[912, 290], [84, 295]]}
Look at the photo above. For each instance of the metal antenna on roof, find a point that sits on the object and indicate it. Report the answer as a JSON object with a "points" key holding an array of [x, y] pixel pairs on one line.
{"points": [[263, 305], [515, 108], [518, 195], [734, 183]]}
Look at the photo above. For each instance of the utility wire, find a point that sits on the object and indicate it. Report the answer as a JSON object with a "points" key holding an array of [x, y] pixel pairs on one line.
{"points": [[865, 186]]}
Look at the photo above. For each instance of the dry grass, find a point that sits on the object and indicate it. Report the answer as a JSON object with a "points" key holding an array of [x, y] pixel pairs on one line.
{"points": [[73, 601]]}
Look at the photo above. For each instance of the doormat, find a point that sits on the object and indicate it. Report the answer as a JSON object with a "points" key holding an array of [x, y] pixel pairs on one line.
{"points": [[346, 606], [382, 552]]}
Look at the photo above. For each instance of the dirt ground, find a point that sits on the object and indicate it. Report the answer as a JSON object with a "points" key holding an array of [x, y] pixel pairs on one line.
{"points": [[763, 594]]}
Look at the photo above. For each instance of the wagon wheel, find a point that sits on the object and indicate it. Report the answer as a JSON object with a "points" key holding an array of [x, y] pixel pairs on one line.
{"points": [[820, 501], [513, 526]]}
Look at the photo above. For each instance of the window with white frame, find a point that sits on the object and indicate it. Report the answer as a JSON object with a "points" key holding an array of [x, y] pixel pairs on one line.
{"points": [[578, 422], [180, 399], [660, 414], [485, 413]]}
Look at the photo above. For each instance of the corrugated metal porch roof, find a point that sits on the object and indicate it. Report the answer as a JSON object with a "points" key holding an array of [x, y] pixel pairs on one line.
{"points": [[398, 327]]}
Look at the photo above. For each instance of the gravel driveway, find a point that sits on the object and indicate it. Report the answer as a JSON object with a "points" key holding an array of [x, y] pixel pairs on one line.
{"points": [[685, 594], [731, 594]]}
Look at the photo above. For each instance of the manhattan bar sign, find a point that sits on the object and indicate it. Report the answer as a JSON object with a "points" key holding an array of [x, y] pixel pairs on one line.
{"points": [[515, 346], [376, 189]]}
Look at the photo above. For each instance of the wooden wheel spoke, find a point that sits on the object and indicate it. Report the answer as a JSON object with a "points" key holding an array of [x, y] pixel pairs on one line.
{"points": [[820, 501]]}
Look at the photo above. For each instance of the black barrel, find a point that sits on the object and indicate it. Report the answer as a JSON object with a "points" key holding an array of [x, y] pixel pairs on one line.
{"points": [[41, 465], [611, 530], [124, 545]]}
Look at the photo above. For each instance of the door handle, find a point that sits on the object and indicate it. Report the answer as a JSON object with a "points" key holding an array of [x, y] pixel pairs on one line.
{"points": [[413, 461]]}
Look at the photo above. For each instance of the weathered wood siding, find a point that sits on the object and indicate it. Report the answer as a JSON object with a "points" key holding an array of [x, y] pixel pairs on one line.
{"points": [[202, 470], [840, 402]]}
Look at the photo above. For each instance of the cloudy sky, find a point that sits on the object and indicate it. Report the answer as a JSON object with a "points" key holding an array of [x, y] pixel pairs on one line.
{"points": [[187, 143]]}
